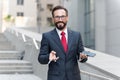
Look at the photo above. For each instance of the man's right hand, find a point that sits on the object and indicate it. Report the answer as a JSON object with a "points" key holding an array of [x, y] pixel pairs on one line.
{"points": [[53, 57]]}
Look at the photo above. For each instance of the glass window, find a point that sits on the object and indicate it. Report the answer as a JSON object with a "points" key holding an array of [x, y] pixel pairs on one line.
{"points": [[89, 24], [49, 21], [20, 14], [49, 7], [20, 2]]}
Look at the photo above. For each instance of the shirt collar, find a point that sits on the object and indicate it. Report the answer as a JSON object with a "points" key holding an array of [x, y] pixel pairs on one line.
{"points": [[59, 32]]}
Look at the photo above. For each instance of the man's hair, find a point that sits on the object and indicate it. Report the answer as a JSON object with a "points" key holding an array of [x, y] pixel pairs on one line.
{"points": [[57, 8]]}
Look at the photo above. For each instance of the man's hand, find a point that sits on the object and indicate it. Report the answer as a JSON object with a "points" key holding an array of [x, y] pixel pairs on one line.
{"points": [[83, 57], [53, 57]]}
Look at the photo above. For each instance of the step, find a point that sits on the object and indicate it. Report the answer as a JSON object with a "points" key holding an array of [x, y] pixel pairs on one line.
{"points": [[11, 54], [19, 77], [5, 43], [14, 62], [24, 71], [3, 38], [15, 66], [6, 46]]}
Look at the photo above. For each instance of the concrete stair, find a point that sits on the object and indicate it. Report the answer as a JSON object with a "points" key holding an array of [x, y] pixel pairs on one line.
{"points": [[19, 77], [15, 66], [5, 44], [11, 55], [11, 60], [12, 67]]}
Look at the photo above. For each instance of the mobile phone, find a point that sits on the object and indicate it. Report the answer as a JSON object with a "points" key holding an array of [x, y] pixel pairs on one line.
{"points": [[89, 54]]}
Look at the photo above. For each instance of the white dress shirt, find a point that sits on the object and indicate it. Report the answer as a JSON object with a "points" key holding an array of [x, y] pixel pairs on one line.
{"points": [[59, 33]]}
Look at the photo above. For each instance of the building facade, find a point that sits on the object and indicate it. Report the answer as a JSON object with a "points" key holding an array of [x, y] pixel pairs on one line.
{"points": [[98, 22], [0, 15], [21, 13], [44, 12], [27, 13]]}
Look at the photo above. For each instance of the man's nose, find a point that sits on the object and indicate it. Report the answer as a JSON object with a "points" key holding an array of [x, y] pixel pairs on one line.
{"points": [[60, 19]]}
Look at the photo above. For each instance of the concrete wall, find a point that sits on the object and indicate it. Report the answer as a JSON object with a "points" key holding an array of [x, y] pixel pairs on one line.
{"points": [[113, 27], [100, 25], [76, 15], [107, 25]]}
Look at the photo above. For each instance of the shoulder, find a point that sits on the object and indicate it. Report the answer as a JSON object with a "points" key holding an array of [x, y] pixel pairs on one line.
{"points": [[73, 32], [49, 33]]}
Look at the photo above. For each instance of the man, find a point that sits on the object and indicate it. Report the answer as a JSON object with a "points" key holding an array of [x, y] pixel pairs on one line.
{"points": [[61, 48]]}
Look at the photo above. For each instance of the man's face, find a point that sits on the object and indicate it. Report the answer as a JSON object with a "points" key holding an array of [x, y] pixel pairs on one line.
{"points": [[60, 19]]}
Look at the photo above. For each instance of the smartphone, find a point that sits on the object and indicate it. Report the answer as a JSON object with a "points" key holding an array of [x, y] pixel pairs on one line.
{"points": [[89, 54]]}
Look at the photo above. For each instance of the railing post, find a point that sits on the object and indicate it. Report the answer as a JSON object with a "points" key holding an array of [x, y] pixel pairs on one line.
{"points": [[23, 36], [35, 43]]}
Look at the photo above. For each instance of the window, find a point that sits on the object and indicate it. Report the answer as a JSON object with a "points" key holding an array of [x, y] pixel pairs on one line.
{"points": [[49, 7], [49, 21], [20, 2], [89, 24], [20, 14]]}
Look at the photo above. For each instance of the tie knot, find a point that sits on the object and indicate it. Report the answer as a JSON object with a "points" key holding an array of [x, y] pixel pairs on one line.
{"points": [[62, 33]]}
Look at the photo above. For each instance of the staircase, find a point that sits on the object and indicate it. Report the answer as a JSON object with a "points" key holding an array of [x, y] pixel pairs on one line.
{"points": [[11, 63], [15, 67]]}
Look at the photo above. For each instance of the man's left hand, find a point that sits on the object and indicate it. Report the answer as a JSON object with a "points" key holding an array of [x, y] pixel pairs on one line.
{"points": [[83, 57]]}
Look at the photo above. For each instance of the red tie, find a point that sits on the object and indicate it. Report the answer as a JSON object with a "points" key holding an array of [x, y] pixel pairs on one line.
{"points": [[64, 42]]}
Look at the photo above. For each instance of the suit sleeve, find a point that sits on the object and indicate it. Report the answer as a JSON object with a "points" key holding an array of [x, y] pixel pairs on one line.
{"points": [[43, 57], [80, 45]]}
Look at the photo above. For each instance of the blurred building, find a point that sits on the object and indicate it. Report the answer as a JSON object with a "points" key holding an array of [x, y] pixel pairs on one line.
{"points": [[98, 22], [0, 16], [26, 13], [44, 11], [20, 13]]}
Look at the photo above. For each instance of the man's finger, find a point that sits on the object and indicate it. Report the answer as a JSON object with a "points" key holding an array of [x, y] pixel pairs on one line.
{"points": [[56, 59], [83, 56], [53, 52]]}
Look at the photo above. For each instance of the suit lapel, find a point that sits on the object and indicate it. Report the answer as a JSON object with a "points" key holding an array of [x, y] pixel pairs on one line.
{"points": [[69, 39], [56, 39]]}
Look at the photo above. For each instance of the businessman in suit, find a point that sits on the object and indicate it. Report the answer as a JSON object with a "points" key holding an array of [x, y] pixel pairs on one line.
{"points": [[61, 48]]}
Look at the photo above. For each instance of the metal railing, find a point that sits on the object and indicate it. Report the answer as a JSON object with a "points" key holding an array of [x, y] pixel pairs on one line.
{"points": [[25, 33]]}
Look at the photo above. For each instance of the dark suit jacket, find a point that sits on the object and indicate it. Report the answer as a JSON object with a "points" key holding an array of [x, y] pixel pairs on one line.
{"points": [[67, 64]]}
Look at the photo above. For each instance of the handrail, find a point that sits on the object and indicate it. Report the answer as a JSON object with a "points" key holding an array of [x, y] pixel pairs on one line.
{"points": [[28, 33], [34, 36]]}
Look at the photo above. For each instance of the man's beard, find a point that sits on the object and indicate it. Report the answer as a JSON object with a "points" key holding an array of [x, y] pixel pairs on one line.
{"points": [[60, 25]]}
